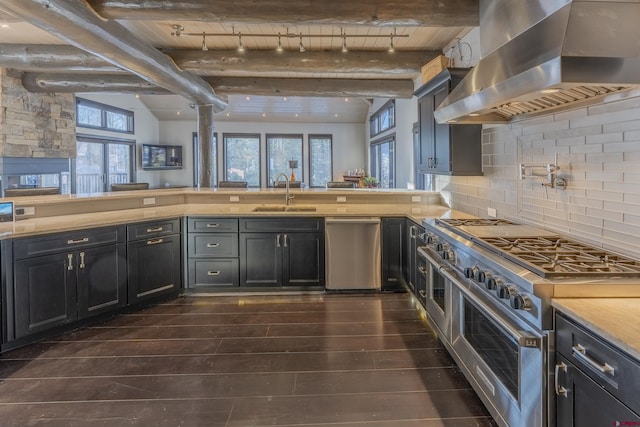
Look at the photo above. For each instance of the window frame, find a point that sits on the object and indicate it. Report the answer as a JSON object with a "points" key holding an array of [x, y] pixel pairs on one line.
{"points": [[258, 136], [284, 136], [320, 136], [375, 125], [375, 145], [104, 110]]}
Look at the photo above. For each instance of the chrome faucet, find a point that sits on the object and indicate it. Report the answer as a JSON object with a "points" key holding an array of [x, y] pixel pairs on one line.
{"points": [[288, 196]]}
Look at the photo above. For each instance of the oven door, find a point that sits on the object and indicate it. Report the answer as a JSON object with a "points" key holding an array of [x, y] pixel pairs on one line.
{"points": [[503, 360], [437, 298]]}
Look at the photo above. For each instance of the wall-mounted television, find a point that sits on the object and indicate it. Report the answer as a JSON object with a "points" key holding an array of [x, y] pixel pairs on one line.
{"points": [[161, 156]]}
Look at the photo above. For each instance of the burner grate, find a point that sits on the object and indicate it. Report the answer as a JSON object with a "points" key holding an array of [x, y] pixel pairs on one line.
{"points": [[558, 256], [457, 222]]}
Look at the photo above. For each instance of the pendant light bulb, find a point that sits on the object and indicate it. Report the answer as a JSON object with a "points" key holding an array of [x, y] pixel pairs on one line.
{"points": [[204, 42], [279, 48], [302, 49], [391, 47], [240, 45], [344, 44]]}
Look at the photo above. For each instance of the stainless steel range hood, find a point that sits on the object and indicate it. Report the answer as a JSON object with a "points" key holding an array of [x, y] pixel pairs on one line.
{"points": [[543, 56]]}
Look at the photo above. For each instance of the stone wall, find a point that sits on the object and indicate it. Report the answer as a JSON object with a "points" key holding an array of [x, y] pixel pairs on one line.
{"points": [[598, 151], [35, 124]]}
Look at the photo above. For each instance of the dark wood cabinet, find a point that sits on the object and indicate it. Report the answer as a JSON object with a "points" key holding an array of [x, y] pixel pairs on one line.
{"points": [[445, 148], [291, 256], [394, 254], [596, 383], [154, 264], [63, 277], [212, 253]]}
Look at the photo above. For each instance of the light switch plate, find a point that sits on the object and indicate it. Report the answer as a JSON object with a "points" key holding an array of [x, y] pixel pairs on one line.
{"points": [[234, 199], [491, 212], [416, 199], [341, 199]]}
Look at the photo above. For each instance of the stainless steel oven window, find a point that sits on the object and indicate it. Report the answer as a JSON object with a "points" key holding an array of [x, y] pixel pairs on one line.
{"points": [[497, 349]]}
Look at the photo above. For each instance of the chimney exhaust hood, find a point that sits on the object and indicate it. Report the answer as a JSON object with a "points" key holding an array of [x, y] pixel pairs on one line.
{"points": [[544, 56]]}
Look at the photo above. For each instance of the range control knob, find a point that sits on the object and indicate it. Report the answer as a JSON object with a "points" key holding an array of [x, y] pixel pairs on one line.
{"points": [[492, 283], [505, 291], [481, 276], [429, 239], [521, 302], [468, 272], [449, 255], [439, 247]]}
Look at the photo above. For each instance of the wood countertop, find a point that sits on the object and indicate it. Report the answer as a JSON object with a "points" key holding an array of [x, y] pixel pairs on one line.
{"points": [[614, 319]]}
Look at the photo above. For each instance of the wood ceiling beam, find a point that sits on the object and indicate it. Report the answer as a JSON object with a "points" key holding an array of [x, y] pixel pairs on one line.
{"points": [[264, 86], [329, 12], [59, 58], [256, 62]]}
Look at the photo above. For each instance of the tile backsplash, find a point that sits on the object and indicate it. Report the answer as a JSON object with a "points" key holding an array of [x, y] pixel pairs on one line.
{"points": [[598, 152]]}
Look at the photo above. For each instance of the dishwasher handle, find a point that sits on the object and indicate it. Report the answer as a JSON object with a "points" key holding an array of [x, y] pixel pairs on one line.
{"points": [[352, 220]]}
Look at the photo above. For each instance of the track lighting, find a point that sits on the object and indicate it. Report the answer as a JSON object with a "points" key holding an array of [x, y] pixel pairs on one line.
{"points": [[302, 49], [240, 45], [279, 48], [204, 42]]}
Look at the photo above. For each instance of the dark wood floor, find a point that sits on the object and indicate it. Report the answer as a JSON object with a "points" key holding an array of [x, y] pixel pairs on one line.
{"points": [[326, 360]]}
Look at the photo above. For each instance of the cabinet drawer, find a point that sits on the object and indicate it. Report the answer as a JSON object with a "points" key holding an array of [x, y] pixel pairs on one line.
{"points": [[219, 272], [213, 245], [59, 242], [590, 353], [259, 225], [152, 229], [213, 225]]}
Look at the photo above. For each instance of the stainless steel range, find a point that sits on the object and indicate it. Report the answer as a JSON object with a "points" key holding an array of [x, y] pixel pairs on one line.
{"points": [[489, 289]]}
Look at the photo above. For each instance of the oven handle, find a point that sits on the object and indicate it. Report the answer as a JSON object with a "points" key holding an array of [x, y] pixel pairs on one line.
{"points": [[523, 338]]}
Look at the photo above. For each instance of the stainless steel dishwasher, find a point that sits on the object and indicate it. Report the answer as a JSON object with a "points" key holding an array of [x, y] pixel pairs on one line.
{"points": [[352, 246]]}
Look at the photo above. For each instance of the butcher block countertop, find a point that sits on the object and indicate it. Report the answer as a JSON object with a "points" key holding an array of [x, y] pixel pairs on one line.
{"points": [[614, 319]]}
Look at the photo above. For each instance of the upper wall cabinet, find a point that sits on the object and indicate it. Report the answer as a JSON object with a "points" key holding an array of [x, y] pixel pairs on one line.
{"points": [[446, 149]]}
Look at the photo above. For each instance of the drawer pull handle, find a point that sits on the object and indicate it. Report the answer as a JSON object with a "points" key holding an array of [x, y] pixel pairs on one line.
{"points": [[213, 273], [286, 241], [423, 270], [75, 242], [82, 265], [422, 293], [70, 262], [215, 225], [560, 391], [213, 245], [154, 242], [581, 353], [154, 230], [278, 241]]}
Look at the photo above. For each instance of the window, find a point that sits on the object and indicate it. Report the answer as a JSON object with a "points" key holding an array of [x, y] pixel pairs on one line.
{"points": [[91, 114], [320, 160], [242, 158], [383, 119], [101, 162], [196, 158], [281, 149], [383, 163]]}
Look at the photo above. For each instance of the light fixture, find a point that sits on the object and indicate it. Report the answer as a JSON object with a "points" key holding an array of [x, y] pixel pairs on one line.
{"points": [[240, 45], [178, 31], [204, 42], [302, 49]]}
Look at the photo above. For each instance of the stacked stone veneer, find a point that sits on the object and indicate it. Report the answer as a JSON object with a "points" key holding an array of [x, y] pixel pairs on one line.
{"points": [[35, 124], [598, 151]]}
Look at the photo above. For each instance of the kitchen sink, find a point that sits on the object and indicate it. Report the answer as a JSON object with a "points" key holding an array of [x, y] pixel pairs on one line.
{"points": [[269, 209], [284, 208], [301, 209]]}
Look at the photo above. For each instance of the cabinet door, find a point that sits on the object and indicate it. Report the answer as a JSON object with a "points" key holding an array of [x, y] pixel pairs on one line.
{"points": [[153, 267], [393, 253], [586, 403], [261, 259], [102, 279], [45, 292], [442, 150], [426, 144], [303, 260]]}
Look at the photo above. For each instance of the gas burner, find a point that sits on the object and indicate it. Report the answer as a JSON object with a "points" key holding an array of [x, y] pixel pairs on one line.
{"points": [[458, 222], [558, 256]]}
